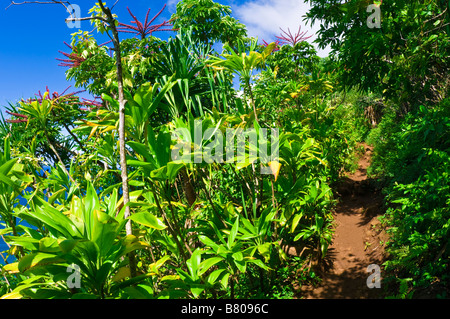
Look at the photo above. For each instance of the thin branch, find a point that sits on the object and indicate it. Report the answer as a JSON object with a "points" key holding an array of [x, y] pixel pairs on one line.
{"points": [[87, 18], [63, 3], [436, 17], [114, 4], [439, 27]]}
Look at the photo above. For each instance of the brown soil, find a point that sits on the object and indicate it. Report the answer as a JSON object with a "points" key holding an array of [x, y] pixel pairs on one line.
{"points": [[358, 240]]}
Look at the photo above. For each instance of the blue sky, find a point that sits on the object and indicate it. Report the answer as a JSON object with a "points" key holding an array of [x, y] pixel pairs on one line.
{"points": [[31, 36]]}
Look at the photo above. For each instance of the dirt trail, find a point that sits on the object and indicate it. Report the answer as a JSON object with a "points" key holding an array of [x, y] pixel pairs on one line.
{"points": [[356, 243]]}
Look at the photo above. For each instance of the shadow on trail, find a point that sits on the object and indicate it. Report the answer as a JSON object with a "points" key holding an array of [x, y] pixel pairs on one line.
{"points": [[356, 243]]}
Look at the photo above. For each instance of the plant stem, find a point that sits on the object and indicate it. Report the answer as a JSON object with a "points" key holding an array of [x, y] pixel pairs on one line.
{"points": [[58, 157], [252, 100], [169, 225], [123, 162]]}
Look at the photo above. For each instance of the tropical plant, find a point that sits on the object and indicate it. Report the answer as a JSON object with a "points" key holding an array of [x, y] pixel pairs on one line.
{"points": [[243, 65], [84, 235], [211, 21]]}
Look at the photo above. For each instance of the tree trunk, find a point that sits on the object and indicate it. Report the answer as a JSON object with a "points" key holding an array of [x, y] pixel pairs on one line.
{"points": [[122, 151], [188, 188]]}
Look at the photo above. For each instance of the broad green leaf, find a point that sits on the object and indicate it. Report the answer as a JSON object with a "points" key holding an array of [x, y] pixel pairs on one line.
{"points": [[142, 150], [12, 268], [259, 263], [49, 245], [7, 180], [104, 231], [121, 274], [55, 195], [154, 267], [172, 170], [7, 148], [194, 262], [264, 250], [26, 242], [197, 289], [148, 219], [6, 230], [224, 280], [6, 167], [208, 263], [208, 242], [295, 221], [67, 245], [238, 256], [241, 265], [37, 260], [131, 243], [217, 231], [212, 278]]}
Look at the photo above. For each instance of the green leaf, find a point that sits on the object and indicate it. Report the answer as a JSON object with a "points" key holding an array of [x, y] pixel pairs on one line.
{"points": [[217, 231], [295, 221], [212, 278], [104, 231], [224, 280], [238, 256], [259, 263], [193, 263], [7, 148], [197, 290], [6, 167], [131, 243], [241, 265], [160, 173], [233, 233], [172, 170], [37, 260], [7, 180], [26, 242], [49, 245], [67, 245], [53, 218], [55, 195], [208, 263], [142, 150], [264, 250], [148, 219], [432, 37], [208, 242]]}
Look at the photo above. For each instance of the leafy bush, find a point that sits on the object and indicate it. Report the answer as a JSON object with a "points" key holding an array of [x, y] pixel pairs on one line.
{"points": [[412, 155]]}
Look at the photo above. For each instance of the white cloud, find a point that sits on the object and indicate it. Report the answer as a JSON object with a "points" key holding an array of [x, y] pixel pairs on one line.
{"points": [[172, 5], [264, 18]]}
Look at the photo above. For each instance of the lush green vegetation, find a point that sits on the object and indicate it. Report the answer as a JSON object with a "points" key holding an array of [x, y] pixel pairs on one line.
{"points": [[131, 195], [413, 158]]}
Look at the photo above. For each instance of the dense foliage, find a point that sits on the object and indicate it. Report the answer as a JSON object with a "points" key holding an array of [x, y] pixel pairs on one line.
{"points": [[205, 222], [413, 159]]}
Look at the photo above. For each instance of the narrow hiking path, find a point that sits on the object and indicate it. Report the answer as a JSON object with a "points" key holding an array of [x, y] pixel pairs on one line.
{"points": [[357, 239]]}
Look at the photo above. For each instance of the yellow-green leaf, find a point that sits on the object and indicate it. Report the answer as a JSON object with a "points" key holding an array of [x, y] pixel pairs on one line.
{"points": [[148, 219], [122, 273]]}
